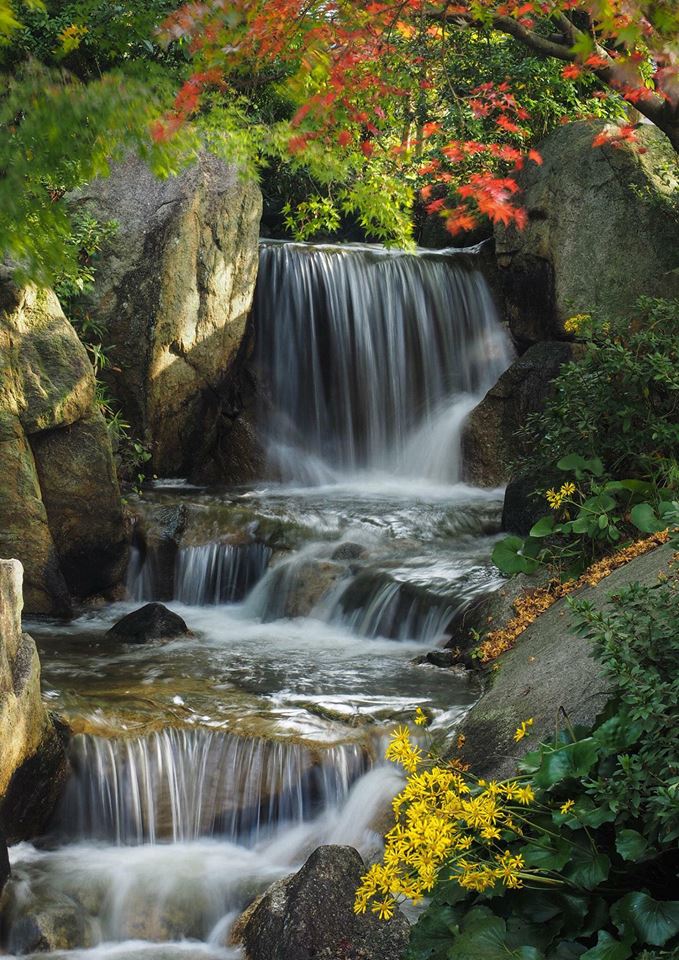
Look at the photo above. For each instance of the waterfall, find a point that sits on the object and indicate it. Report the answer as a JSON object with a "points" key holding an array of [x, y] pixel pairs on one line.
{"points": [[219, 572], [208, 574], [372, 358], [186, 784]]}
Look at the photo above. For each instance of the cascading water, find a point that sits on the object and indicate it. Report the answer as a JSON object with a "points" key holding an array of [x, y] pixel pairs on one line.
{"points": [[182, 785], [373, 358], [210, 573], [225, 757]]}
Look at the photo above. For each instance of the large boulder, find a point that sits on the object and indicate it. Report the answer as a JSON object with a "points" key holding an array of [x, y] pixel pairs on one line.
{"points": [[551, 675], [490, 438], [602, 230], [33, 765], [174, 288], [151, 622], [311, 915], [60, 509]]}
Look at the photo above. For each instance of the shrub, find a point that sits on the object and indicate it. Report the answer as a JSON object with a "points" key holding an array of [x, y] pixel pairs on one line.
{"points": [[619, 402]]}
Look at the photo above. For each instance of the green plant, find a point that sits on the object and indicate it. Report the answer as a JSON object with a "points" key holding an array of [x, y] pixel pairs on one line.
{"points": [[629, 375], [591, 515], [594, 845]]}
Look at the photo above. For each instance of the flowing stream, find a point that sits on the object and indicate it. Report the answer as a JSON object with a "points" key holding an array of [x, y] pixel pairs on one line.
{"points": [[206, 767]]}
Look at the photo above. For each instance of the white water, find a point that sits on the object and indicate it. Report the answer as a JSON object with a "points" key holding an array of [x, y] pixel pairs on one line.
{"points": [[223, 759]]}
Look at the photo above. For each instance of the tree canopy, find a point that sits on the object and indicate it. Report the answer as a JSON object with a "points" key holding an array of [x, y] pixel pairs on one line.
{"points": [[374, 106]]}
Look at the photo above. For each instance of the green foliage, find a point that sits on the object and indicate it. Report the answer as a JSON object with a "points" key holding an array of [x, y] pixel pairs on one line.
{"points": [[57, 134], [606, 840], [625, 473], [630, 376], [592, 515]]}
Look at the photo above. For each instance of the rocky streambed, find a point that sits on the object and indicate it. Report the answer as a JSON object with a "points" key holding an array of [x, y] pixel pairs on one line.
{"points": [[206, 766]]}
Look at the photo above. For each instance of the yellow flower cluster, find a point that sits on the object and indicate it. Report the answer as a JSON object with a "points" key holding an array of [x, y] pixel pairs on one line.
{"points": [[556, 497], [574, 324], [444, 821]]}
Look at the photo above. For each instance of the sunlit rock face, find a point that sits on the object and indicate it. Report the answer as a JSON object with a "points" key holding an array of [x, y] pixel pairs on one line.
{"points": [[173, 289], [60, 511], [601, 230], [32, 758]]}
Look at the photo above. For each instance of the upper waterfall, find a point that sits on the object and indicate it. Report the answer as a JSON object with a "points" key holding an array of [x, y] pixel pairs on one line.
{"points": [[372, 358]]}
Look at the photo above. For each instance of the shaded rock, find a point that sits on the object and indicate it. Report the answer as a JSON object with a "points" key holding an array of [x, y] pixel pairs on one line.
{"points": [[490, 438], [60, 926], [60, 512], [5, 871], [173, 290], [80, 492], [550, 674], [310, 915], [33, 764], [522, 507], [437, 658], [24, 529], [487, 612], [151, 622], [601, 230], [157, 531]]}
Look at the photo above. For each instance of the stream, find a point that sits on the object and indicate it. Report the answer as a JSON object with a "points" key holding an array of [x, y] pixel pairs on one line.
{"points": [[206, 767]]}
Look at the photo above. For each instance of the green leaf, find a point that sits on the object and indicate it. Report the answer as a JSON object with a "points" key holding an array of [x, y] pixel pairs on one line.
{"points": [[543, 528], [433, 933], [553, 857], [574, 760], [630, 844], [587, 868], [508, 557], [653, 921], [644, 518], [607, 948], [575, 462], [602, 503]]}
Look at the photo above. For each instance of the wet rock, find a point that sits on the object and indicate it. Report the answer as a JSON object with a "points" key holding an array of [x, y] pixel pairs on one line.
{"points": [[490, 439], [310, 915], [437, 658], [173, 291], [60, 926], [349, 551], [304, 585], [60, 510], [33, 765], [151, 622], [600, 231]]}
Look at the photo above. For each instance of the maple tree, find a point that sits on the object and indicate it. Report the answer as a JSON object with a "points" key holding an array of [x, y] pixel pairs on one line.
{"points": [[352, 68]]}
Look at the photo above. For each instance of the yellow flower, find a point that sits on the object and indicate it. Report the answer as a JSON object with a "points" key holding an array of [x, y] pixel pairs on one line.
{"points": [[573, 324], [522, 729], [525, 795], [384, 908], [568, 805], [421, 718], [553, 498], [567, 489]]}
